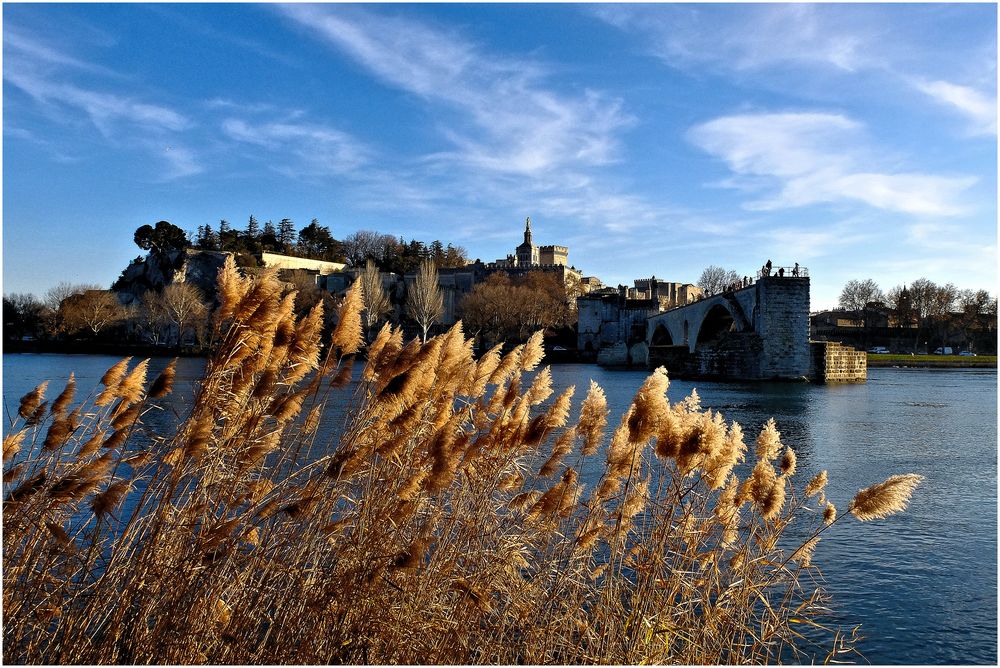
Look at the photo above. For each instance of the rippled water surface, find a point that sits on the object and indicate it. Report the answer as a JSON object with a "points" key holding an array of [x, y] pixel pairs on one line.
{"points": [[922, 584]]}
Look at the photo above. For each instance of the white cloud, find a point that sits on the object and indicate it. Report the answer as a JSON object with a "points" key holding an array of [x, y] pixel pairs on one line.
{"points": [[811, 158], [180, 162], [747, 37], [804, 245], [508, 123], [20, 48], [979, 108], [317, 149], [36, 69], [103, 109]]}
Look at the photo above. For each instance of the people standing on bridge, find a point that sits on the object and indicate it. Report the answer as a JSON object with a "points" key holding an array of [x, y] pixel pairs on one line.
{"points": [[781, 272], [795, 271], [767, 268]]}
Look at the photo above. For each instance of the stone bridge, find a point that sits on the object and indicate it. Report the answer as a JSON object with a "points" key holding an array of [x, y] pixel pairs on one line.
{"points": [[757, 332]]}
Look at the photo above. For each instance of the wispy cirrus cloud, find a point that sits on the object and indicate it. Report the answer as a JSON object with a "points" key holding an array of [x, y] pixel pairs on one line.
{"points": [[747, 37], [508, 119], [830, 42], [812, 158], [39, 70], [180, 161], [105, 110], [807, 244], [314, 149], [979, 108], [25, 46]]}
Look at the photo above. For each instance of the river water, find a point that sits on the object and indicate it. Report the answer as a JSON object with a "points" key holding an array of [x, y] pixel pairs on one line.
{"points": [[922, 584]]}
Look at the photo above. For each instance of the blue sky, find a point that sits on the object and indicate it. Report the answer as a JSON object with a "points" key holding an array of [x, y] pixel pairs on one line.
{"points": [[857, 140]]}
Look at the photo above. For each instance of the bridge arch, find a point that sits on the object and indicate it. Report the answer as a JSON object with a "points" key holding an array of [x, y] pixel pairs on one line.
{"points": [[717, 322], [661, 336]]}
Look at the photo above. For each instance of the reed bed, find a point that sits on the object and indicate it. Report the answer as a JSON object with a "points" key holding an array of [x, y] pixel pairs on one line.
{"points": [[447, 524]]}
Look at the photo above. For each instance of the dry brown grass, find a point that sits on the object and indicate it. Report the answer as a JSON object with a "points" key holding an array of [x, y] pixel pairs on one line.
{"points": [[447, 524]]}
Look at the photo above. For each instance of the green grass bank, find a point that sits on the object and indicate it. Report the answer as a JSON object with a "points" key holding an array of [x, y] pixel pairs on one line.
{"points": [[933, 361]]}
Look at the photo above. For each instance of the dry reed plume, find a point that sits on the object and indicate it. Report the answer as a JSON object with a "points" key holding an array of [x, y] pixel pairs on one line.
{"points": [[448, 523]]}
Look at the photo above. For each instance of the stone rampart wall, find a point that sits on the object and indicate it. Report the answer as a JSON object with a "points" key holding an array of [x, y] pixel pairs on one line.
{"points": [[292, 262]]}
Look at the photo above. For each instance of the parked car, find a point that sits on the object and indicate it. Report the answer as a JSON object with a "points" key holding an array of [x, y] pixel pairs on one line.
{"points": [[879, 350], [946, 350], [967, 353]]}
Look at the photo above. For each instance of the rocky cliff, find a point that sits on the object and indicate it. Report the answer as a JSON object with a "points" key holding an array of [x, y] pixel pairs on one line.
{"points": [[198, 267]]}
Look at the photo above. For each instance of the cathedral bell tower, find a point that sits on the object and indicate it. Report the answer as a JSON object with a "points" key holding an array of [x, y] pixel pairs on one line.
{"points": [[527, 253]]}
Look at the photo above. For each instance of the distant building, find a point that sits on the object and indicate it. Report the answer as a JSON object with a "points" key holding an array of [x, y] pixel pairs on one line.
{"points": [[554, 255], [589, 284], [669, 295], [824, 321], [608, 317], [528, 254]]}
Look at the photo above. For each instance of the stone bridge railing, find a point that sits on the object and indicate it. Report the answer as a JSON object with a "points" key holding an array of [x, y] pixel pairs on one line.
{"points": [[784, 272]]}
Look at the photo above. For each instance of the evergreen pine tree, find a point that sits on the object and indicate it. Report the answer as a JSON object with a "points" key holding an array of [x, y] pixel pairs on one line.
{"points": [[286, 235], [227, 238], [269, 237], [253, 229], [209, 241]]}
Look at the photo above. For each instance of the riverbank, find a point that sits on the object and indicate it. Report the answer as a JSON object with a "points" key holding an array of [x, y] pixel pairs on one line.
{"points": [[104, 348], [933, 361]]}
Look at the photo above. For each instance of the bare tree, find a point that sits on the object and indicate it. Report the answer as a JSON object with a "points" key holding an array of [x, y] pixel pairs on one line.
{"points": [[857, 297], [184, 306], [922, 293], [93, 310], [502, 309], [23, 315], [974, 312], [424, 301], [924, 297], [376, 302], [366, 245], [714, 279], [57, 293], [151, 316], [943, 300], [943, 303], [898, 299]]}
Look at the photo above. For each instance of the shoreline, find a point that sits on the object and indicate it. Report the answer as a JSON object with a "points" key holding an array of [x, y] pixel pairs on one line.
{"points": [[918, 363], [561, 357], [101, 348]]}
